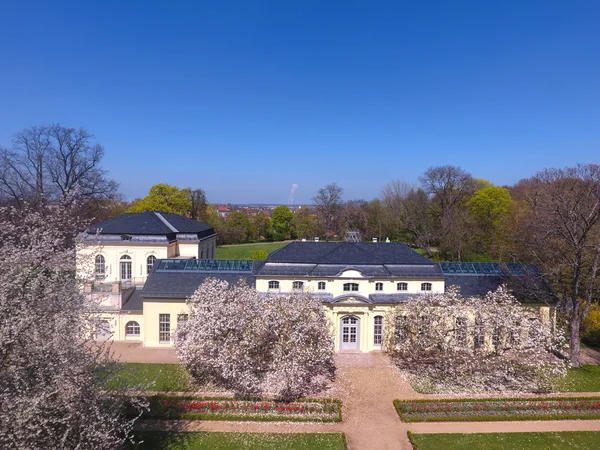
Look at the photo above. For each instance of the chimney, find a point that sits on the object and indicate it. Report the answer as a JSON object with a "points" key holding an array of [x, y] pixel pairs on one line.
{"points": [[303, 240], [374, 239], [387, 239], [317, 239]]}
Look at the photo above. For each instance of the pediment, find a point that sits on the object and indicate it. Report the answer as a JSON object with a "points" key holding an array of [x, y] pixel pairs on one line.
{"points": [[356, 299]]}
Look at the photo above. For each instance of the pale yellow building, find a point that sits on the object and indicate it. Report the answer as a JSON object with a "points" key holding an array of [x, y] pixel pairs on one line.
{"points": [[358, 282]]}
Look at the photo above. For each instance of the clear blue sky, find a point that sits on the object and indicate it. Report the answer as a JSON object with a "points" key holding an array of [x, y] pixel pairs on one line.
{"points": [[245, 98]]}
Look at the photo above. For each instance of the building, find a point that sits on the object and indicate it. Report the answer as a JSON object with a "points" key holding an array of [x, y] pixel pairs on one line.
{"points": [[358, 283]]}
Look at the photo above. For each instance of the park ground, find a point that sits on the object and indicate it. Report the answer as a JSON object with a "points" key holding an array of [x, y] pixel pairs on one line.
{"points": [[245, 251], [367, 384]]}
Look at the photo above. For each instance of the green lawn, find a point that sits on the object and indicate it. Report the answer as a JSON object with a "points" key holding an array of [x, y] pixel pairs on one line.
{"points": [[166, 377], [169, 440], [507, 441], [245, 251], [584, 379]]}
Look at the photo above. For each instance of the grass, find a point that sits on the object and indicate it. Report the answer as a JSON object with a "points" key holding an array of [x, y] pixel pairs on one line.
{"points": [[498, 409], [583, 379], [245, 251], [215, 408], [507, 441], [166, 378], [171, 440]]}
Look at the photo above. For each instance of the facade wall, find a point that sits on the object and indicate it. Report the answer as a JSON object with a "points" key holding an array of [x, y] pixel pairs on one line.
{"points": [[335, 286], [112, 257], [152, 310], [118, 320]]}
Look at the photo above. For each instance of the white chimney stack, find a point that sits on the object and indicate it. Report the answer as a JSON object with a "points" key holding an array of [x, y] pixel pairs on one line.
{"points": [[387, 239], [317, 239], [374, 239]]}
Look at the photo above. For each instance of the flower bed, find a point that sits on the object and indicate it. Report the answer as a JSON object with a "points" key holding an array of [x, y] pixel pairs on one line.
{"points": [[199, 408], [471, 410]]}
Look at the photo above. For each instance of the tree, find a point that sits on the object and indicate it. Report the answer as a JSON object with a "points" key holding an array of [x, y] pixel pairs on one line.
{"points": [[393, 196], [489, 208], [355, 216], [449, 188], [165, 198], [455, 344], [259, 255], [255, 345], [328, 205], [305, 223], [53, 378], [417, 220], [283, 222], [237, 227], [48, 163], [198, 203], [561, 233], [262, 224]]}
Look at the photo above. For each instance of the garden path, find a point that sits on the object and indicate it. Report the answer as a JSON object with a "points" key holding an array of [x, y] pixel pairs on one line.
{"points": [[367, 384]]}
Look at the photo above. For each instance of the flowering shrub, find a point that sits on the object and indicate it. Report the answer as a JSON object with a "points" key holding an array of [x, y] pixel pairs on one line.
{"points": [[256, 345], [447, 343], [499, 409], [222, 409]]}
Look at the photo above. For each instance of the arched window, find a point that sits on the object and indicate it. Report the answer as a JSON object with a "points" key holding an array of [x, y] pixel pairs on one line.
{"points": [[150, 263], [379, 286], [378, 330], [132, 328], [298, 285], [350, 286], [126, 268], [425, 286], [100, 267], [402, 287], [321, 285], [273, 284]]}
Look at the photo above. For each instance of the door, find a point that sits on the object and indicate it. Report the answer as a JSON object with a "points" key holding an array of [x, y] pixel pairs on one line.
{"points": [[125, 270], [350, 333], [103, 332]]}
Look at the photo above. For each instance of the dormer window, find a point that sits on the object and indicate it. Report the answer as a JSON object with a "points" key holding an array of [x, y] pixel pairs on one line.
{"points": [[402, 286], [321, 286], [350, 286], [298, 285], [125, 237]]}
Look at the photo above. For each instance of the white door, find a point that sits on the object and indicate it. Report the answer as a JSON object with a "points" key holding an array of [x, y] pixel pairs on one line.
{"points": [[350, 333]]}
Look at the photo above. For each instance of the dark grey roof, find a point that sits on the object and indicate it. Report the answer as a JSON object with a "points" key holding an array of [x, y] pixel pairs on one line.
{"points": [[135, 302], [473, 285], [182, 284], [347, 253], [150, 223], [390, 298]]}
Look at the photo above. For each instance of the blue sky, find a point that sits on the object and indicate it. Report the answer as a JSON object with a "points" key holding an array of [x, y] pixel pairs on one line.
{"points": [[243, 99]]}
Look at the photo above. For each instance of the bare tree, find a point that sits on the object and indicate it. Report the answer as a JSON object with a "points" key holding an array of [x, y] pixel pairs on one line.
{"points": [[416, 219], [49, 162], [355, 216], [198, 203], [449, 188], [328, 205], [561, 233], [393, 196]]}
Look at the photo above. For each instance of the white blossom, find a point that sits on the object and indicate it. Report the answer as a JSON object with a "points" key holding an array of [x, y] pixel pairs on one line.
{"points": [[257, 345]]}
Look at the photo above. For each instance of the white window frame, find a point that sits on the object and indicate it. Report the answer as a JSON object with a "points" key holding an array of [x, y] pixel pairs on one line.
{"points": [[298, 285], [164, 328], [274, 285], [321, 286], [379, 286], [150, 265], [402, 286], [100, 274], [377, 331], [134, 325], [426, 286]]}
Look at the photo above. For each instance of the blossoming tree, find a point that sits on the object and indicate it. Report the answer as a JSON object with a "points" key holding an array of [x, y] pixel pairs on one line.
{"points": [[52, 372], [256, 345], [448, 343]]}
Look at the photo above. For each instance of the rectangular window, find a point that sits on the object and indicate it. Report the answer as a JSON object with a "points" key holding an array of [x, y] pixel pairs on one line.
{"points": [[378, 331], [164, 327]]}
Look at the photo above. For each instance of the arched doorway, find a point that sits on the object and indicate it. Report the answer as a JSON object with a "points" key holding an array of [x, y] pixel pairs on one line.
{"points": [[349, 333], [103, 332]]}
